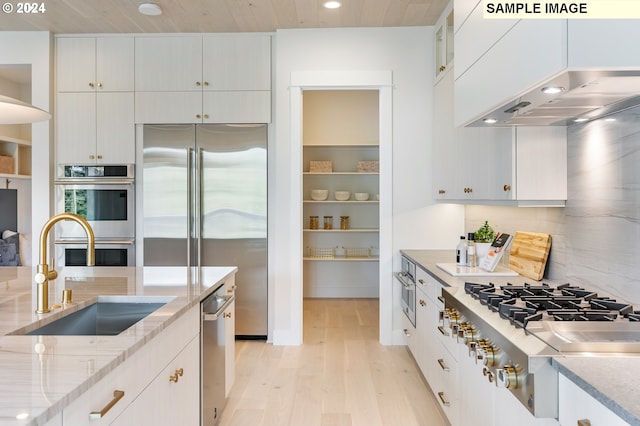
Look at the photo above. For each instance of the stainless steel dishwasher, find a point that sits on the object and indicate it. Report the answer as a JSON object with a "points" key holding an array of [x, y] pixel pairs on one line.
{"points": [[212, 356]]}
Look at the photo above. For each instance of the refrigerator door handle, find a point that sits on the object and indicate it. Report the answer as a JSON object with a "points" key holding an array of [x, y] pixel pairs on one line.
{"points": [[190, 200], [200, 203]]}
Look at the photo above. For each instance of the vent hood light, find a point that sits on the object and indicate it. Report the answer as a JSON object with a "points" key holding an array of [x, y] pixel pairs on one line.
{"points": [[589, 94], [610, 119], [490, 120], [580, 120], [552, 90]]}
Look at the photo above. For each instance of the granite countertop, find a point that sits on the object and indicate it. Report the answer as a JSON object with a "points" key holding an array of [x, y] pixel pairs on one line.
{"points": [[612, 379], [24, 389]]}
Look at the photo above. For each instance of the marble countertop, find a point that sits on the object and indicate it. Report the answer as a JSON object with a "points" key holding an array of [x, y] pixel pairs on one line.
{"points": [[39, 387], [611, 379]]}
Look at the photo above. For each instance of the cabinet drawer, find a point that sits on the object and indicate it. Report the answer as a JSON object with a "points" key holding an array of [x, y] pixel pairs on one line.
{"points": [[430, 285], [446, 384]]}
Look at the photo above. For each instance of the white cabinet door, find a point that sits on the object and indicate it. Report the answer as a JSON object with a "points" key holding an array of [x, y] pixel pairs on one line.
{"points": [[95, 127], [447, 161], [115, 135], [173, 398], [229, 347], [168, 107], [236, 107], [114, 64], [476, 394], [89, 64], [236, 62], [168, 63], [76, 64], [76, 128], [575, 404]]}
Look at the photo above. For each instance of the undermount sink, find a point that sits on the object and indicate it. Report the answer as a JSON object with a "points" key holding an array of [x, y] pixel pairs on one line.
{"points": [[109, 316]]}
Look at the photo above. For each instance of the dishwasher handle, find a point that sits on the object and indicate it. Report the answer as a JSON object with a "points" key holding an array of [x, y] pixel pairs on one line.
{"points": [[213, 316]]}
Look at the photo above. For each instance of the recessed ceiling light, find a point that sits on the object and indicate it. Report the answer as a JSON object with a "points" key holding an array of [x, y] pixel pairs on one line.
{"points": [[552, 90], [331, 4], [490, 121], [150, 9], [580, 120]]}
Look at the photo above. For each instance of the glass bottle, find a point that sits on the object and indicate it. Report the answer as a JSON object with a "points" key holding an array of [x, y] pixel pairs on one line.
{"points": [[344, 222], [328, 222], [471, 250], [313, 222]]}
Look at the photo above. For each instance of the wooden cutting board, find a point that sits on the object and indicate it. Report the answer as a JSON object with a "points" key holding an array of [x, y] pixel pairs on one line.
{"points": [[529, 253]]}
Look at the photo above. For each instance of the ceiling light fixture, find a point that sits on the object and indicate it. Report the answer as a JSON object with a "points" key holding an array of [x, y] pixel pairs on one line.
{"points": [[13, 111], [149, 9], [552, 90], [331, 4]]}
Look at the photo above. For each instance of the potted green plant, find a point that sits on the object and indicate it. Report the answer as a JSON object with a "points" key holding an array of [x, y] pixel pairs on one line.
{"points": [[483, 237]]}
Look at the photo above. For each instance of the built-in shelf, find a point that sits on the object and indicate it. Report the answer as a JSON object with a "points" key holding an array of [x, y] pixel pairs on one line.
{"points": [[324, 231], [20, 151], [339, 173], [341, 202], [343, 259]]}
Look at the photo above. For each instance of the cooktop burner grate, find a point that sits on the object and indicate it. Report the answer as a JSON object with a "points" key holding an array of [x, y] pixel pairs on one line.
{"points": [[543, 302]]}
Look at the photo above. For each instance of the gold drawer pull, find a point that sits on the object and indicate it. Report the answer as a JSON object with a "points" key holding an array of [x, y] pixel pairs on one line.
{"points": [[441, 299], [443, 365], [442, 330], [117, 396], [444, 401], [584, 422]]}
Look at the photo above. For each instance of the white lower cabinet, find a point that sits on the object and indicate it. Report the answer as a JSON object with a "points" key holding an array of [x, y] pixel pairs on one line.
{"points": [[575, 404], [173, 398], [116, 398]]}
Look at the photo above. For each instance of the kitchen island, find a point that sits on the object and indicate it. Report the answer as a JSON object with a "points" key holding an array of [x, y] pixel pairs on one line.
{"points": [[609, 380], [42, 375]]}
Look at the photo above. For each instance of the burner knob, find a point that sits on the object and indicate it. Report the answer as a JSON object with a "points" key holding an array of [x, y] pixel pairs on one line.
{"points": [[508, 376], [478, 350], [489, 355]]}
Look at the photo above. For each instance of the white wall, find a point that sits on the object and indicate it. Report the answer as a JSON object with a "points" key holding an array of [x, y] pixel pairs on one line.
{"points": [[417, 221], [34, 48]]}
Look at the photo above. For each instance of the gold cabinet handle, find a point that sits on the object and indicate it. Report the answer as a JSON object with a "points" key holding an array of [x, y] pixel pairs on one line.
{"points": [[198, 83], [227, 314], [92, 157], [423, 303], [99, 157], [91, 84], [117, 396], [206, 116], [406, 332], [444, 401], [443, 365], [421, 281], [198, 116], [174, 378], [180, 372], [468, 190], [506, 188], [584, 422], [442, 330], [441, 192], [206, 83], [100, 85], [442, 68], [441, 299]]}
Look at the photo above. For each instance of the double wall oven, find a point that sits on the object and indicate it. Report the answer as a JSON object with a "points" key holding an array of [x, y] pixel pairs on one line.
{"points": [[104, 195]]}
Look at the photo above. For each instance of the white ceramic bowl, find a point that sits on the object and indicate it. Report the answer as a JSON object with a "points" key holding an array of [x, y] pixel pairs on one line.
{"points": [[361, 196], [342, 195], [319, 194]]}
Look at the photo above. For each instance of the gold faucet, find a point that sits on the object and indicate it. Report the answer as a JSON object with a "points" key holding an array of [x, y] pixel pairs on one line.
{"points": [[44, 274]]}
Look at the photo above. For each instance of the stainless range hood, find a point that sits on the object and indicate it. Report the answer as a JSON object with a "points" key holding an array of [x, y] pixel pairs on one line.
{"points": [[584, 95]]}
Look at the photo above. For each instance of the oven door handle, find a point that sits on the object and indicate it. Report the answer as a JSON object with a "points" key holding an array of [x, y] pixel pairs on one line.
{"points": [[94, 182], [405, 284], [208, 316]]}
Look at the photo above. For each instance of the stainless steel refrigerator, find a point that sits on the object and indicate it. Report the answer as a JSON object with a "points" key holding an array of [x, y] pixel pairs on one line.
{"points": [[205, 204]]}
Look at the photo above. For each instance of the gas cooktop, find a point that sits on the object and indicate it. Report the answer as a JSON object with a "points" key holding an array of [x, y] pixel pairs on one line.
{"points": [[568, 318]]}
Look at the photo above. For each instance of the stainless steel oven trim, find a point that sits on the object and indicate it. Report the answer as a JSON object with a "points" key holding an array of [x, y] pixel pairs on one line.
{"points": [[101, 229], [410, 287], [128, 244]]}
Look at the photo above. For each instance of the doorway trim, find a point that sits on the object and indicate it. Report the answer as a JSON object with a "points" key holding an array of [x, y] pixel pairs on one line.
{"points": [[342, 80]]}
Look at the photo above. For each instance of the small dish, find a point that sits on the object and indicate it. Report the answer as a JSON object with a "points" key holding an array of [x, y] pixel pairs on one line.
{"points": [[342, 195], [319, 194], [361, 196]]}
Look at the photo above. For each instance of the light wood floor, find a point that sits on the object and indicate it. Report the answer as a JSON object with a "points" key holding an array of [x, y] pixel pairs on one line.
{"points": [[340, 376]]}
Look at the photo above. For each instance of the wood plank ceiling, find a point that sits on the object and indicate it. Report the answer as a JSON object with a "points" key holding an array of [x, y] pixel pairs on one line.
{"points": [[185, 16]]}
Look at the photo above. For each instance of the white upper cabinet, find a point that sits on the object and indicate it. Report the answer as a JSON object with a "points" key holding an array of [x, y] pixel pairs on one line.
{"points": [[443, 39], [203, 79], [169, 63], [238, 62], [90, 64]]}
